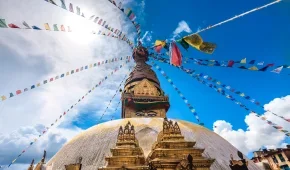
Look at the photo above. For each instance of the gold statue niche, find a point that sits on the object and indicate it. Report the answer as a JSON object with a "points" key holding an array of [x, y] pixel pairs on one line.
{"points": [[127, 154], [171, 151]]}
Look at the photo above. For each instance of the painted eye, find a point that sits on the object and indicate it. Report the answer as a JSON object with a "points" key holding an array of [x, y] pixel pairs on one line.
{"points": [[151, 114], [139, 114]]}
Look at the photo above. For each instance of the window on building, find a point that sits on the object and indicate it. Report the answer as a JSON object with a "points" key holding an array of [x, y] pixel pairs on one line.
{"points": [[285, 167], [281, 157], [274, 159]]}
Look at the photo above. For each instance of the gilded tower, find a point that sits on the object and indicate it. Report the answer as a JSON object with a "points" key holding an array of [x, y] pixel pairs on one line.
{"points": [[142, 95]]}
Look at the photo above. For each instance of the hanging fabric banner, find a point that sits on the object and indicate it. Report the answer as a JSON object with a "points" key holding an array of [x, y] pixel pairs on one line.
{"points": [[226, 87], [222, 92], [65, 74], [66, 112], [78, 12], [179, 92]]}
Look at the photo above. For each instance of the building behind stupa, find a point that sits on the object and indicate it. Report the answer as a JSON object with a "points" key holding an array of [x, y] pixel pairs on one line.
{"points": [[145, 138]]}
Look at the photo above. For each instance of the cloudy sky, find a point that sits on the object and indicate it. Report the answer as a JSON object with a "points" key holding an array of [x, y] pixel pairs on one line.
{"points": [[28, 57]]}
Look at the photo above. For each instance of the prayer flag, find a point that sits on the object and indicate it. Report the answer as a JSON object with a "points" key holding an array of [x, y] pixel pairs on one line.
{"points": [[91, 17], [264, 68], [242, 67], [51, 1], [183, 43], [132, 17], [3, 23], [270, 65], [244, 61], [71, 8], [277, 70], [46, 26], [252, 62], [207, 47], [26, 25], [104, 23], [62, 28], [78, 10], [100, 22], [55, 27], [194, 40], [13, 26], [63, 4], [18, 92], [36, 28], [230, 63], [3, 98], [11, 95], [175, 55], [254, 68], [96, 19], [261, 63]]}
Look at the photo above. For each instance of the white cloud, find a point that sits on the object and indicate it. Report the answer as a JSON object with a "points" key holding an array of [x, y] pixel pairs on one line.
{"points": [[182, 27], [258, 133], [28, 57]]}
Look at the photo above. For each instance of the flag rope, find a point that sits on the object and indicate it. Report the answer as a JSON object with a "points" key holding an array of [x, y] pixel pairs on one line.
{"points": [[229, 88], [235, 17], [78, 9], [62, 115], [56, 29], [131, 16], [115, 95], [67, 73], [222, 92], [179, 92]]}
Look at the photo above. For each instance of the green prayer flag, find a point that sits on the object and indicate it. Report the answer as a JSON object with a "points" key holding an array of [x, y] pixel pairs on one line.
{"points": [[3, 23], [183, 43]]}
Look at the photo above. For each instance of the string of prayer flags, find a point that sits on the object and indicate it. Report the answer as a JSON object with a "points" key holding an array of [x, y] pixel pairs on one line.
{"points": [[129, 14], [235, 17], [67, 73], [117, 91], [179, 92], [62, 28], [225, 87], [79, 13], [196, 42], [66, 112], [175, 54], [222, 92], [231, 63]]}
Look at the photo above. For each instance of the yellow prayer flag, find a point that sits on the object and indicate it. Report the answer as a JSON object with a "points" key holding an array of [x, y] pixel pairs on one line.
{"points": [[38, 84], [159, 42], [254, 68], [194, 40], [91, 65], [46, 26], [244, 61], [67, 73], [3, 98], [242, 94]]}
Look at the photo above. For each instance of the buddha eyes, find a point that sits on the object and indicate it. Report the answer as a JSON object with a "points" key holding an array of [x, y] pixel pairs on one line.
{"points": [[148, 114]]}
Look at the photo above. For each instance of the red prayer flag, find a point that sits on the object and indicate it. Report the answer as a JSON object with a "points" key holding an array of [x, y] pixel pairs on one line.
{"points": [[18, 92], [231, 63], [158, 48], [13, 26], [176, 56], [270, 65]]}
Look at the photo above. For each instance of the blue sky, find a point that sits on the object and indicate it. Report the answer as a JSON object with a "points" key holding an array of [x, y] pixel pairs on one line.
{"points": [[262, 36]]}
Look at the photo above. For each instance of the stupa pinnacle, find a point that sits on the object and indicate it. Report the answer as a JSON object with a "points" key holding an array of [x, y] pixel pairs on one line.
{"points": [[144, 138]]}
